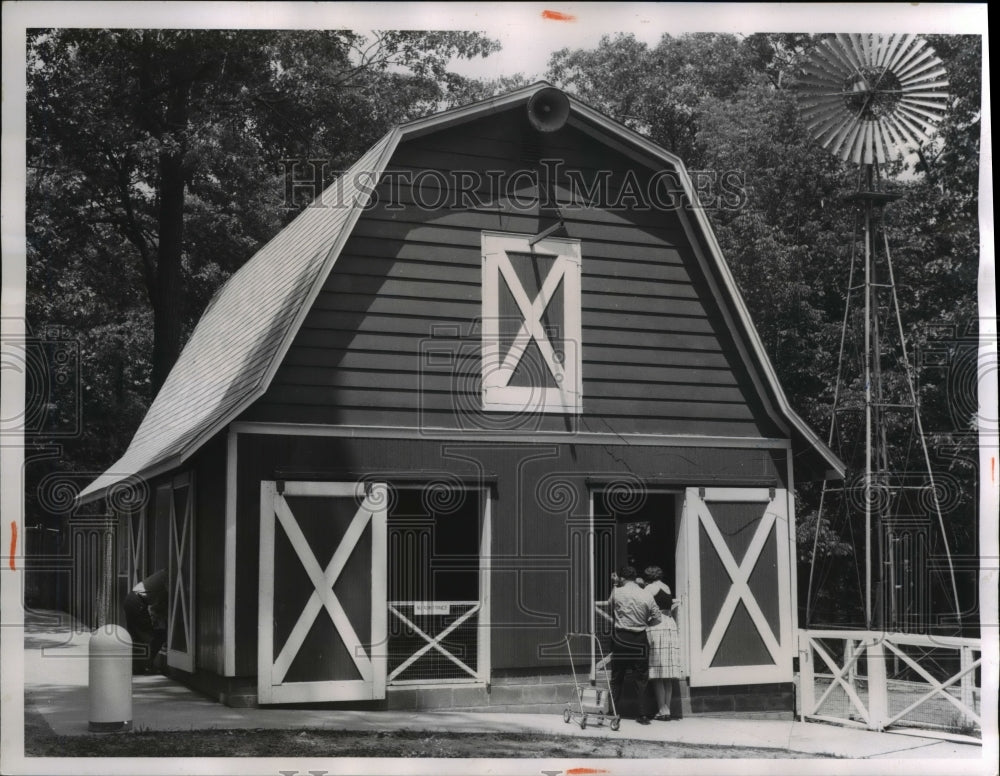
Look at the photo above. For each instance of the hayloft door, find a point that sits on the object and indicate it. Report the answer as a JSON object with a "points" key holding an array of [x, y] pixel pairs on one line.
{"points": [[739, 585], [180, 601], [322, 596]]}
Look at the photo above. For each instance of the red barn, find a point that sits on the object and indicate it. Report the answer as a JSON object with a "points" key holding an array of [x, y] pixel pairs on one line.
{"points": [[409, 439]]}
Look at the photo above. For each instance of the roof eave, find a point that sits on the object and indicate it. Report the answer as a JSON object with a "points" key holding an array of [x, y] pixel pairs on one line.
{"points": [[89, 495]]}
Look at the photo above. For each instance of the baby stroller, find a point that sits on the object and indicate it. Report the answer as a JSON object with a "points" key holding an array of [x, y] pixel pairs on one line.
{"points": [[592, 702]]}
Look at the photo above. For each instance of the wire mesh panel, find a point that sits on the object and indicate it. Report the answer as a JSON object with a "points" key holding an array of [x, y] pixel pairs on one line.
{"points": [[934, 686], [432, 640]]}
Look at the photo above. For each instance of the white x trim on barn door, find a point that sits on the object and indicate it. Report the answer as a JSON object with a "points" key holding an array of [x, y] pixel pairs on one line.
{"points": [[180, 604], [322, 596], [137, 546], [739, 574], [532, 310], [498, 367], [366, 650], [772, 526]]}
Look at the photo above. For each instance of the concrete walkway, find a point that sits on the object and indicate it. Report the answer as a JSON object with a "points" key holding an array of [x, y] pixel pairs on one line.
{"points": [[55, 677]]}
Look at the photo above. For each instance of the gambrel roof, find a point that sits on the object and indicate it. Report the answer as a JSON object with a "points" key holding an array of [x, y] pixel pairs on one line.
{"points": [[249, 325]]}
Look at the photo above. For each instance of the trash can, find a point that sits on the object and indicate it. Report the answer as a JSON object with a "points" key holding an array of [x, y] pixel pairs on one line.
{"points": [[110, 680]]}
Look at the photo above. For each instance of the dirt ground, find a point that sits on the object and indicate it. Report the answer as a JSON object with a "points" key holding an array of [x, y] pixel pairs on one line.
{"points": [[40, 741]]}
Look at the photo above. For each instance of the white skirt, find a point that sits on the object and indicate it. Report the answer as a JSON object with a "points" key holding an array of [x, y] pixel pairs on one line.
{"points": [[664, 650]]}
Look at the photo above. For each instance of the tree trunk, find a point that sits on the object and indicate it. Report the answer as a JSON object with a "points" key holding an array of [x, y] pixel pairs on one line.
{"points": [[168, 305]]}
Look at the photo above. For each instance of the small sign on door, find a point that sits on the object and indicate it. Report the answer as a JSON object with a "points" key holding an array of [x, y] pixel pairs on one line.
{"points": [[429, 608]]}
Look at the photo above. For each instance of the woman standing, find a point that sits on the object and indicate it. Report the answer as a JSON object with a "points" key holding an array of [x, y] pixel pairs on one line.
{"points": [[664, 643]]}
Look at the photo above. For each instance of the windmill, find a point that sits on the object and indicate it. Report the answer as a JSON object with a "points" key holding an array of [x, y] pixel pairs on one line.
{"points": [[866, 98]]}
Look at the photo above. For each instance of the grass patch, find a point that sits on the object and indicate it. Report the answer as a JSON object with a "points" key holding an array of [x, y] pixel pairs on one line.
{"points": [[41, 742]]}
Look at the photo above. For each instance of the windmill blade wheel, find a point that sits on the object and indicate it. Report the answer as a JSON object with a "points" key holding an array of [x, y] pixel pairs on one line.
{"points": [[867, 97]]}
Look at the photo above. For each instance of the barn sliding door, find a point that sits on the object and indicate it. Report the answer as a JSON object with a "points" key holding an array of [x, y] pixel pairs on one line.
{"points": [[739, 609], [322, 597], [180, 603]]}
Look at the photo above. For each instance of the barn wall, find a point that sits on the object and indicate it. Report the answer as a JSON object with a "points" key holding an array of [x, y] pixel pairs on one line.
{"points": [[393, 337], [540, 516]]}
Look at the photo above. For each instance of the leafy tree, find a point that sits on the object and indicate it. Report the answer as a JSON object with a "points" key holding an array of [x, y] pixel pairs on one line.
{"points": [[659, 91]]}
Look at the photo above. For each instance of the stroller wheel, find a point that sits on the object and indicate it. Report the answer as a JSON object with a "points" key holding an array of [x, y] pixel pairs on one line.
{"points": [[566, 715], [583, 723], [616, 723]]}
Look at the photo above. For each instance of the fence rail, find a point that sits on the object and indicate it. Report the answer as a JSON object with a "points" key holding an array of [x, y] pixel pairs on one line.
{"points": [[883, 681]]}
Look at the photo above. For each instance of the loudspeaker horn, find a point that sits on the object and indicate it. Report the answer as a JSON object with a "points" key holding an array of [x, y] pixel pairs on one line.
{"points": [[548, 109]]}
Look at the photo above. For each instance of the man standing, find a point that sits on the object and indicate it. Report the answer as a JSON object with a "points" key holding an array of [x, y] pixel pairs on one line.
{"points": [[634, 609], [146, 620]]}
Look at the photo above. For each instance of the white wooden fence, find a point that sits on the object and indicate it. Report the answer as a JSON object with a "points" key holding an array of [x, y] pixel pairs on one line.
{"points": [[891, 680]]}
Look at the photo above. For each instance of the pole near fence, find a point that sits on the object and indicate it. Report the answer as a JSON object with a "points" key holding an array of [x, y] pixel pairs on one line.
{"points": [[968, 682], [878, 686], [807, 679]]}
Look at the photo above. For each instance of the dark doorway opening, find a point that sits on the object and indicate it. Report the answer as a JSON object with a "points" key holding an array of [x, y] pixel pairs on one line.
{"points": [[639, 531]]}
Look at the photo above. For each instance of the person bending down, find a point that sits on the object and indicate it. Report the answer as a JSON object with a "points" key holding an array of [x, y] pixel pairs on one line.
{"points": [[146, 620]]}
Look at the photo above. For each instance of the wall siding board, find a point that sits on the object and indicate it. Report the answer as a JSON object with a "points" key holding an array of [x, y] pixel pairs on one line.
{"points": [[534, 531], [444, 396], [608, 384], [412, 316], [385, 258], [631, 423], [410, 279], [368, 241], [674, 298], [410, 345], [299, 368], [441, 189], [442, 226]]}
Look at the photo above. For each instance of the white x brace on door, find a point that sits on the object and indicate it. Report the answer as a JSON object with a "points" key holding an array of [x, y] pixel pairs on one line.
{"points": [[322, 595], [180, 600], [553, 265], [739, 584]]}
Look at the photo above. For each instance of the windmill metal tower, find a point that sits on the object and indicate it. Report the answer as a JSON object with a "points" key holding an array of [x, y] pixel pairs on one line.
{"points": [[865, 99]]}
